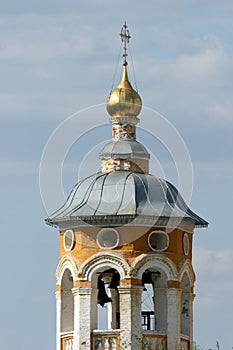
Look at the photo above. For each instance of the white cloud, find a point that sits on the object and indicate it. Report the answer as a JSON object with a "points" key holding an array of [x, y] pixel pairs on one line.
{"points": [[214, 287], [214, 263], [198, 69], [220, 113], [45, 50]]}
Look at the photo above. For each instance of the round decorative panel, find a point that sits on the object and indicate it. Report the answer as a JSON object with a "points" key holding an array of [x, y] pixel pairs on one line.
{"points": [[158, 241], [68, 240], [186, 243], [107, 238]]}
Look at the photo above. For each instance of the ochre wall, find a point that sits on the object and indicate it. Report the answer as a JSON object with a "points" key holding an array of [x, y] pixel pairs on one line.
{"points": [[133, 242]]}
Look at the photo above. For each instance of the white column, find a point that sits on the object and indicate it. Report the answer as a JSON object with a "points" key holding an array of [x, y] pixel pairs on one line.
{"points": [[94, 308], [160, 308], [173, 317], [113, 308], [192, 296], [130, 317], [58, 320], [82, 318]]}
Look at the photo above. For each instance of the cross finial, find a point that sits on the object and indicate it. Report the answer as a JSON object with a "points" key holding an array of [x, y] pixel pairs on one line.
{"points": [[125, 36]]}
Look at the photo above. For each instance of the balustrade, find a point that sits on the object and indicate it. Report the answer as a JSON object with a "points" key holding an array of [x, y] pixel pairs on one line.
{"points": [[67, 342], [105, 341], [152, 341]]}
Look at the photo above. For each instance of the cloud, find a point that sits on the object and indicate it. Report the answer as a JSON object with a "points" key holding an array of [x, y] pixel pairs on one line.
{"points": [[45, 51], [214, 270], [200, 69], [220, 113], [214, 263]]}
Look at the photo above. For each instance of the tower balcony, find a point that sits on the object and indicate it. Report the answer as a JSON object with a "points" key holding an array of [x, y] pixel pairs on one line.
{"points": [[110, 340], [105, 340]]}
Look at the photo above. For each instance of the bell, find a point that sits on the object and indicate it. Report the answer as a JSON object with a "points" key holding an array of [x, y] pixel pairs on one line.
{"points": [[102, 295], [146, 278], [115, 281]]}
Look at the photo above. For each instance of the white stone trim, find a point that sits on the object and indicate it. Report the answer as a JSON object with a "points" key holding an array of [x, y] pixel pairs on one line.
{"points": [[160, 261], [58, 320], [102, 260], [67, 262], [159, 232], [173, 317], [188, 269], [71, 245]]}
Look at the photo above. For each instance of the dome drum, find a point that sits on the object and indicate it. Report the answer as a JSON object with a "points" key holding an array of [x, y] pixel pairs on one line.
{"points": [[123, 131], [136, 165]]}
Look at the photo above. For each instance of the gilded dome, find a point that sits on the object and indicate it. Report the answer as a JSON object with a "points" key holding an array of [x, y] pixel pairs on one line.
{"points": [[124, 101]]}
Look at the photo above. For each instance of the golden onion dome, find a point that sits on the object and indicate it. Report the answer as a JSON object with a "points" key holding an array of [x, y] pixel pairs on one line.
{"points": [[124, 101]]}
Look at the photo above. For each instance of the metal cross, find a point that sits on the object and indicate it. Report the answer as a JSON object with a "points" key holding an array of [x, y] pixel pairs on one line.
{"points": [[125, 36]]}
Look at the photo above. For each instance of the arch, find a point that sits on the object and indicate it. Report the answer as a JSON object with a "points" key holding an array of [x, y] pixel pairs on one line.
{"points": [[187, 268], [185, 302], [102, 260], [159, 261], [67, 302], [67, 262]]}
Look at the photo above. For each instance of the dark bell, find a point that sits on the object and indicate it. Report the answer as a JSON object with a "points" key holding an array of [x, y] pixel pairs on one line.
{"points": [[103, 297]]}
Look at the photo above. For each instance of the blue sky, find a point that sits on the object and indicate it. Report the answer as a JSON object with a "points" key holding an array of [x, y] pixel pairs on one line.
{"points": [[59, 57]]}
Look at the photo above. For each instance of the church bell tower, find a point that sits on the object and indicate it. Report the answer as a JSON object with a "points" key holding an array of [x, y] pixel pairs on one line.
{"points": [[125, 278]]}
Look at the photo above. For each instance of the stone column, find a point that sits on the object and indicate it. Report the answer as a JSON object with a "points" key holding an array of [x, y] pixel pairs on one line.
{"points": [[160, 308], [173, 317], [58, 320], [130, 317], [192, 296], [82, 318], [94, 308], [113, 308]]}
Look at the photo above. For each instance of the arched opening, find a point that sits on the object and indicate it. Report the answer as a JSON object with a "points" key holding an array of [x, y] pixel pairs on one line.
{"points": [[185, 305], [107, 299], [67, 302], [154, 300]]}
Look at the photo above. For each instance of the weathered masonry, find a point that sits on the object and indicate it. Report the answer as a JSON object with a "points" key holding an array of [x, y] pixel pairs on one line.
{"points": [[125, 278]]}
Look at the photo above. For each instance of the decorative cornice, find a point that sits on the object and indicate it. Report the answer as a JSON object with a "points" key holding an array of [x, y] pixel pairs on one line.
{"points": [[145, 261], [104, 259], [66, 262], [187, 268], [184, 224], [81, 291]]}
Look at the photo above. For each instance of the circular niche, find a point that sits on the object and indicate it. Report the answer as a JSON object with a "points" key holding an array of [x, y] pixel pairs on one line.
{"points": [[107, 238], [68, 240], [158, 241], [186, 244]]}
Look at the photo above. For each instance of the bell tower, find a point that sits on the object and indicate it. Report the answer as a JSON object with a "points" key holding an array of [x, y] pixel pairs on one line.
{"points": [[125, 278]]}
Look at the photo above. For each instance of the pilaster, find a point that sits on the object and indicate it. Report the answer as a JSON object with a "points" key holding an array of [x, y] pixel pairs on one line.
{"points": [[130, 317], [173, 317], [192, 296], [58, 320], [160, 308], [94, 308], [82, 318], [113, 309]]}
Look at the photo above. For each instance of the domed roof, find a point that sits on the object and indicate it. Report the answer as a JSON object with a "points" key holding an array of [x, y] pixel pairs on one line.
{"points": [[124, 101], [121, 195]]}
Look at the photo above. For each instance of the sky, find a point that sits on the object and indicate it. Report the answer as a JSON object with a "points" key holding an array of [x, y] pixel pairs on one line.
{"points": [[58, 59]]}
